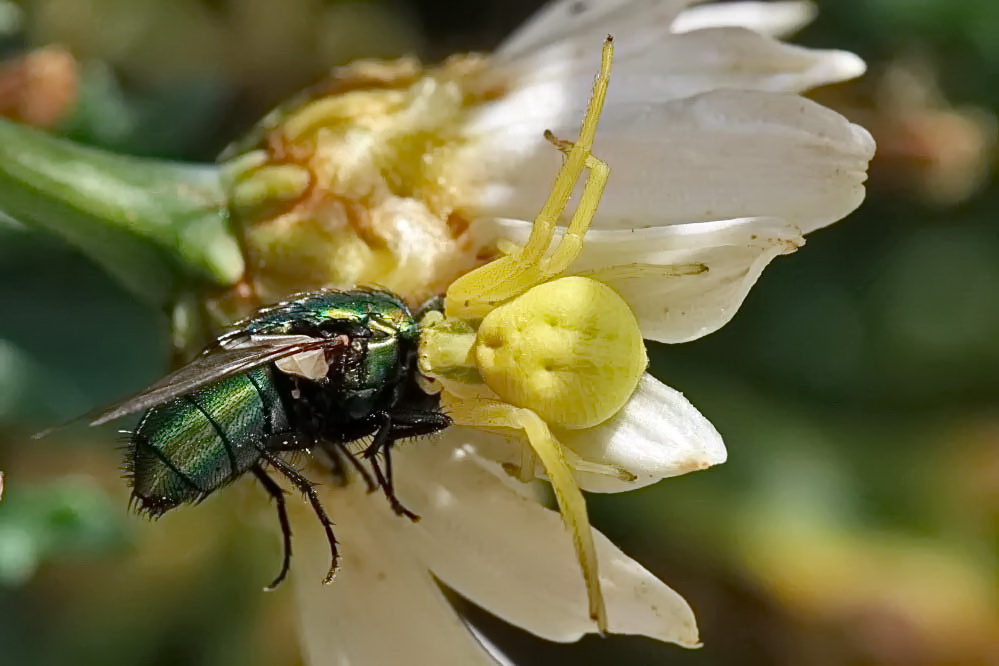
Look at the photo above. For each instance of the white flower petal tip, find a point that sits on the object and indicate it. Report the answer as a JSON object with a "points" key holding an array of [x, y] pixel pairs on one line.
{"points": [[750, 61], [686, 281], [658, 434], [842, 66], [682, 281], [778, 19], [489, 539]]}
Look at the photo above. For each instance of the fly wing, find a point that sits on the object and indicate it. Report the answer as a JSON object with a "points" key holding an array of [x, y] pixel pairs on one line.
{"points": [[235, 357]]}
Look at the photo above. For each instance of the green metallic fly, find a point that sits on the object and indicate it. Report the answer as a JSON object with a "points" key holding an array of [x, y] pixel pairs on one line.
{"points": [[321, 370]]}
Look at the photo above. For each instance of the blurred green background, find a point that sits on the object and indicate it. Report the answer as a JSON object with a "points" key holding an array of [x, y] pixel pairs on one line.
{"points": [[856, 521]]}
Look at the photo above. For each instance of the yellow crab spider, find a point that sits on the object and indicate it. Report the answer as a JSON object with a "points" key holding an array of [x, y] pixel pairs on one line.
{"points": [[520, 347]]}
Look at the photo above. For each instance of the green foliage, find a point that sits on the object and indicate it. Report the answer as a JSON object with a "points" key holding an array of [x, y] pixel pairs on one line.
{"points": [[154, 226]]}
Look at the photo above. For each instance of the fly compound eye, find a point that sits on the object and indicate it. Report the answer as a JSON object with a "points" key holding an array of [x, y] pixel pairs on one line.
{"points": [[570, 350]]}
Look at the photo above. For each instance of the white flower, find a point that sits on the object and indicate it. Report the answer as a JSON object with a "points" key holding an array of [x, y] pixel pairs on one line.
{"points": [[715, 161], [718, 167]]}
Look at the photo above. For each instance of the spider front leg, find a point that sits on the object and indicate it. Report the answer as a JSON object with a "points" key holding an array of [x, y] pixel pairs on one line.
{"points": [[476, 293], [572, 505], [572, 241]]}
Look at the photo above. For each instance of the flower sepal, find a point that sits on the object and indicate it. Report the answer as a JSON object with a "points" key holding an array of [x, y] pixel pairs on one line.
{"points": [[154, 226]]}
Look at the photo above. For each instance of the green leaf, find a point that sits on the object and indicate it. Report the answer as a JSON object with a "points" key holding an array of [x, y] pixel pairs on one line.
{"points": [[155, 226]]}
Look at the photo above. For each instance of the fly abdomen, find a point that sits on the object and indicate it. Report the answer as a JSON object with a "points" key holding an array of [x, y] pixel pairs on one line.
{"points": [[189, 447]]}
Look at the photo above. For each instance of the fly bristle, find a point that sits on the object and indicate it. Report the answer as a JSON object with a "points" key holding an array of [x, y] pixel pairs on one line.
{"points": [[360, 445], [128, 475], [297, 458], [128, 448], [430, 436], [150, 507], [125, 441], [127, 469]]}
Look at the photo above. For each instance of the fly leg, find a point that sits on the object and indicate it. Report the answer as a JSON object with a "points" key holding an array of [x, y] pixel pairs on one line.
{"points": [[277, 494], [308, 489], [337, 451], [383, 442], [396, 426]]}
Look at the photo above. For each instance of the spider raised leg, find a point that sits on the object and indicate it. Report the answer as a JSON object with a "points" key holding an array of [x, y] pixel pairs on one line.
{"points": [[476, 293]]}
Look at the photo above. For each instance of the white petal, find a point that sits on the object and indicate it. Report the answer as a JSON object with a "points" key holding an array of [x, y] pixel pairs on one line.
{"points": [[586, 23], [778, 19], [638, 263], [384, 607], [721, 155], [507, 553], [670, 67], [549, 87], [658, 434], [715, 58]]}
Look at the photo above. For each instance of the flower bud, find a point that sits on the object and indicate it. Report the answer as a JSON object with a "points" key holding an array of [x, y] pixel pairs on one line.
{"points": [[348, 185]]}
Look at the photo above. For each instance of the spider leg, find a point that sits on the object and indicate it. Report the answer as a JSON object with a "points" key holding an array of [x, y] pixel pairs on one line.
{"points": [[572, 505], [577, 157], [476, 293], [525, 470], [571, 243]]}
